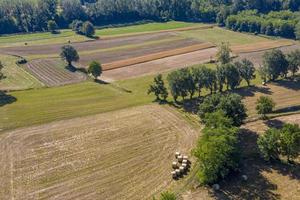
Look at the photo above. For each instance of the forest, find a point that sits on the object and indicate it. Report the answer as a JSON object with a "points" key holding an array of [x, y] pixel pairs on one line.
{"points": [[33, 15]]}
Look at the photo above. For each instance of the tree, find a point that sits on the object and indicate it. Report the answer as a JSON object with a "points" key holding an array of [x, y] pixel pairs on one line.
{"points": [[264, 105], [198, 78], [293, 59], [230, 104], [297, 31], [223, 55], [158, 88], [95, 69], [88, 29], [69, 54], [167, 196], [218, 153], [275, 63], [217, 119], [221, 76], [52, 26], [269, 144], [1, 73], [290, 141], [233, 78], [76, 26], [246, 70]]}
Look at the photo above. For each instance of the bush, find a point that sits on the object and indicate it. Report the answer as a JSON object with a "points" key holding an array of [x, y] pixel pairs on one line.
{"points": [[87, 29], [264, 105], [21, 61], [52, 26], [95, 69]]}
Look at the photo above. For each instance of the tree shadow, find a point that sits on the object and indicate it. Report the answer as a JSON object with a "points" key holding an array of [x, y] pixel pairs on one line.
{"points": [[253, 166], [191, 105], [289, 84], [251, 91], [274, 123], [287, 109], [6, 99], [71, 68]]}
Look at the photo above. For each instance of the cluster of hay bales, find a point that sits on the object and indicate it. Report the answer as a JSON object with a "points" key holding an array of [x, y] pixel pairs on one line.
{"points": [[180, 166]]}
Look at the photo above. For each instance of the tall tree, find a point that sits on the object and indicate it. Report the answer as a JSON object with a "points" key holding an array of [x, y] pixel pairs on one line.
{"points": [[158, 88], [69, 54], [264, 105], [223, 54], [246, 70], [95, 69], [233, 78], [293, 59]]}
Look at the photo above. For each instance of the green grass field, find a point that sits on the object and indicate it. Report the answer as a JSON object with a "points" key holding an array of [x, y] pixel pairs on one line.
{"points": [[16, 78], [218, 35], [144, 28], [41, 39]]}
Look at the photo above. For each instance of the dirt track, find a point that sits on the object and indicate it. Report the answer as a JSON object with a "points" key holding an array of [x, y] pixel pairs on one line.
{"points": [[125, 154], [161, 65]]}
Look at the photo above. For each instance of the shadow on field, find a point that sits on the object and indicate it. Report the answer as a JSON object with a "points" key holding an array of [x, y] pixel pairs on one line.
{"points": [[274, 123], [253, 166], [251, 91], [287, 109], [6, 99], [289, 84]]}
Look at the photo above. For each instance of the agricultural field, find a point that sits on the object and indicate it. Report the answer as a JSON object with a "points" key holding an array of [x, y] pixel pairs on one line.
{"points": [[53, 72], [124, 154], [16, 78]]}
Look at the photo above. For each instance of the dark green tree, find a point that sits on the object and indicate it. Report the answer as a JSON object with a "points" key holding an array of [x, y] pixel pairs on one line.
{"points": [[223, 55], [293, 59], [95, 69], [233, 78], [246, 70], [52, 26], [221, 76], [158, 88], [290, 141], [69, 54], [87, 29]]}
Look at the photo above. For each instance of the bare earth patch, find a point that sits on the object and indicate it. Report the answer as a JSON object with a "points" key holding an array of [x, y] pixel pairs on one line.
{"points": [[52, 72], [119, 155], [161, 65]]}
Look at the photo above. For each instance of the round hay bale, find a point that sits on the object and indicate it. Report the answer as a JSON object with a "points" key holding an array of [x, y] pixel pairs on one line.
{"points": [[181, 169], [185, 161], [184, 165], [185, 157], [180, 158], [177, 154], [177, 172], [174, 165], [174, 175]]}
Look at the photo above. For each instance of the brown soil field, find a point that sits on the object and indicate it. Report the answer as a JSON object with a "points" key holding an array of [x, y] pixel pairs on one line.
{"points": [[257, 57], [130, 53], [125, 154], [261, 46], [161, 65], [286, 95], [87, 46], [52, 72], [156, 56], [270, 181]]}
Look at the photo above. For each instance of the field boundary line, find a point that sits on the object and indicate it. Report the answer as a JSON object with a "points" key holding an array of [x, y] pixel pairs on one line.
{"points": [[156, 56]]}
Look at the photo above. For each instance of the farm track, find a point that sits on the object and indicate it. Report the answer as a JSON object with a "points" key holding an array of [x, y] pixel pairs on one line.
{"points": [[119, 155], [48, 71]]}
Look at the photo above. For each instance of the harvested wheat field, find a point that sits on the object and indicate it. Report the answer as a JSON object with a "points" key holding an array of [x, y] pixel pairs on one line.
{"points": [[161, 65], [124, 154], [52, 72]]}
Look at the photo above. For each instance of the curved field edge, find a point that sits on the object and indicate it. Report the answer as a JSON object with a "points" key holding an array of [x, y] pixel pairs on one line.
{"points": [[123, 154]]}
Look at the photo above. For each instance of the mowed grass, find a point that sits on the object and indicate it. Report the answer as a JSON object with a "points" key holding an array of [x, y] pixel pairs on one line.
{"points": [[218, 35], [16, 78], [149, 27], [41, 39]]}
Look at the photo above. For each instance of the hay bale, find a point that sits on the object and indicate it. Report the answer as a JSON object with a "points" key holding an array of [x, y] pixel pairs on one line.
{"points": [[181, 168], [184, 165], [174, 165], [185, 161], [174, 175], [180, 158], [177, 171], [177, 154], [185, 157]]}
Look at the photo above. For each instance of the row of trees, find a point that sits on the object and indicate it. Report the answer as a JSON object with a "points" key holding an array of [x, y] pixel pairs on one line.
{"points": [[33, 15], [281, 23], [277, 64]]}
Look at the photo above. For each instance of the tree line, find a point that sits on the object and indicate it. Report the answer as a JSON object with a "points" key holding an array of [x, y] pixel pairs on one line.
{"points": [[33, 15]]}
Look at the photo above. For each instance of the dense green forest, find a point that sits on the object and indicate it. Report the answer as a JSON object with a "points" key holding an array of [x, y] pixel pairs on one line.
{"points": [[33, 15]]}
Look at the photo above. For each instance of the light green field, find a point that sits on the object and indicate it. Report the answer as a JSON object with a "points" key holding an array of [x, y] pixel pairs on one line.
{"points": [[218, 35], [16, 78], [144, 28], [41, 39], [50, 104]]}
